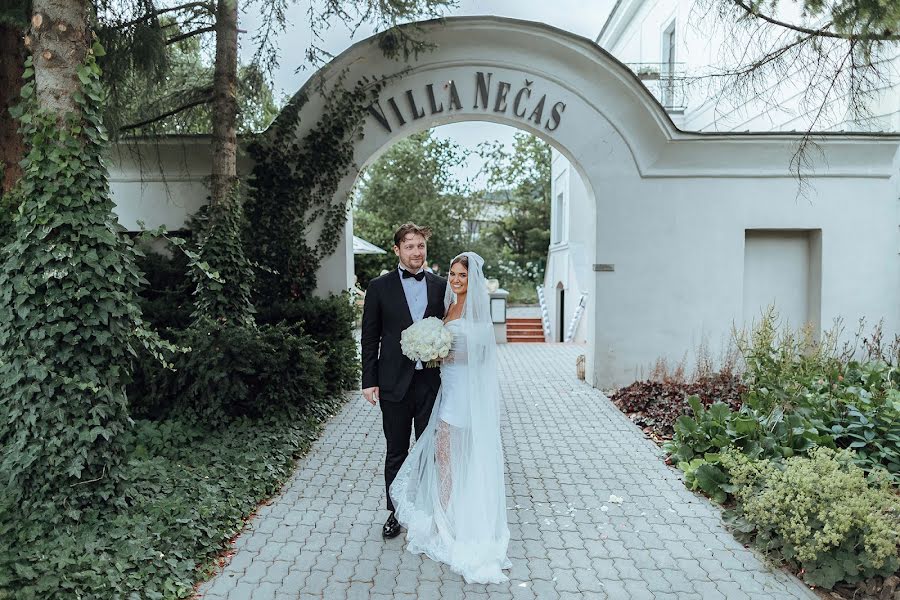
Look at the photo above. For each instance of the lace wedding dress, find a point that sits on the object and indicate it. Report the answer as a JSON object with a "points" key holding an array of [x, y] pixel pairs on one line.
{"points": [[449, 493]]}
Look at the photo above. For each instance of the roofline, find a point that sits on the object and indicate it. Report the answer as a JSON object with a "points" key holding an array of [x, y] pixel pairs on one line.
{"points": [[609, 19]]}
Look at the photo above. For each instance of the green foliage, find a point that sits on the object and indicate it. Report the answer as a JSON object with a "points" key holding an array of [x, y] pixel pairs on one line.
{"points": [[8, 208], [800, 394], [520, 182], [188, 489], [329, 321], [294, 184], [234, 370], [166, 300], [821, 513], [857, 18], [834, 514], [69, 321], [413, 181], [225, 297], [15, 13]]}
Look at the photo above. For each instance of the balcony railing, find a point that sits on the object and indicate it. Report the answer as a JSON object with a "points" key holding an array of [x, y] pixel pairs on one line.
{"points": [[665, 81]]}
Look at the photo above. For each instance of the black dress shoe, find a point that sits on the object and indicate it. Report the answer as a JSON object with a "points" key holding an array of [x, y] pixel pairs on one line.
{"points": [[391, 528]]}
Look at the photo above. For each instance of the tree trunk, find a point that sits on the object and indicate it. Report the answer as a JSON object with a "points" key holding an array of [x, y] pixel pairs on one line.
{"points": [[225, 107], [59, 40], [12, 64]]}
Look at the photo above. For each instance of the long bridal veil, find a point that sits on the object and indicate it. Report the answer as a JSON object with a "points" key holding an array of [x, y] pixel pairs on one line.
{"points": [[450, 492]]}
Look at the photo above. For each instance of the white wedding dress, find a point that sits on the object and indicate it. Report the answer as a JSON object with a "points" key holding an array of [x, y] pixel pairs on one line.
{"points": [[449, 493]]}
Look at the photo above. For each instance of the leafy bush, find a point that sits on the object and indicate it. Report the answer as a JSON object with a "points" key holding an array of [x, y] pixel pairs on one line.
{"points": [[166, 300], [329, 321], [821, 513], [801, 394], [657, 404], [232, 371], [188, 491]]}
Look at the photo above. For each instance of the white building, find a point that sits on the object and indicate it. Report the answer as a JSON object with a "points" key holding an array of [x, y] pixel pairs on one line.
{"points": [[664, 42], [669, 43], [669, 236]]}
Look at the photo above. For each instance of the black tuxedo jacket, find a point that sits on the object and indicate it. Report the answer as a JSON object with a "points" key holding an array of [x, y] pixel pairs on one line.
{"points": [[385, 316]]}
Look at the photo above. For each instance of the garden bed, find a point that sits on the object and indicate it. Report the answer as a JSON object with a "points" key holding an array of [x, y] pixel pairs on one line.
{"points": [[801, 446]]}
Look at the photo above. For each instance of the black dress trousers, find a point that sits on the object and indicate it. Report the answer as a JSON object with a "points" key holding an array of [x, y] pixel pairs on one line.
{"points": [[398, 419]]}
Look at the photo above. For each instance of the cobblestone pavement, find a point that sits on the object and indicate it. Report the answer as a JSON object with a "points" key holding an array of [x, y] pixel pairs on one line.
{"points": [[567, 450]]}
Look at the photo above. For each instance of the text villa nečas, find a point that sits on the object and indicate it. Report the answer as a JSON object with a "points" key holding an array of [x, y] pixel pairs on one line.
{"points": [[522, 103]]}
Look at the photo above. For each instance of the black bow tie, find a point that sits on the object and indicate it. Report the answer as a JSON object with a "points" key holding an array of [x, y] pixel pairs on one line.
{"points": [[419, 276]]}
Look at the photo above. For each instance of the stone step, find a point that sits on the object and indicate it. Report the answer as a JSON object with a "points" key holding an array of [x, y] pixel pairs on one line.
{"points": [[515, 333]]}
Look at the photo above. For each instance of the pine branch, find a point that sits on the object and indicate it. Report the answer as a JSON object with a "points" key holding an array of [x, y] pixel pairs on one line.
{"points": [[205, 99], [156, 13], [189, 34], [822, 32]]}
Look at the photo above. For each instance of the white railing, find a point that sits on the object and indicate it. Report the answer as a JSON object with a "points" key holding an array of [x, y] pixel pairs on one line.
{"points": [[545, 314], [573, 324], [665, 81]]}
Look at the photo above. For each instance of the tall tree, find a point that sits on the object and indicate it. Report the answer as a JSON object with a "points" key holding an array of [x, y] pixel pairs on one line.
{"points": [[520, 182], [13, 21], [413, 181], [69, 322], [225, 106]]}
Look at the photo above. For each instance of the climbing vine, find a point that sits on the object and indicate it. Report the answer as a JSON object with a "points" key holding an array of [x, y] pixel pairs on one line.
{"points": [[294, 185], [225, 297], [69, 320]]}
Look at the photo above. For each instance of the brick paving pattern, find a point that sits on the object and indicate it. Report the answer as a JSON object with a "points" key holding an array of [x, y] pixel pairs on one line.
{"points": [[567, 450]]}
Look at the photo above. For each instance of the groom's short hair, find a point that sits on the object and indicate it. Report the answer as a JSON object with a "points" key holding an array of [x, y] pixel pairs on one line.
{"points": [[410, 228]]}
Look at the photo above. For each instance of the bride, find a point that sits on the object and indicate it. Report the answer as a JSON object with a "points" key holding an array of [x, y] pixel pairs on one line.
{"points": [[449, 493]]}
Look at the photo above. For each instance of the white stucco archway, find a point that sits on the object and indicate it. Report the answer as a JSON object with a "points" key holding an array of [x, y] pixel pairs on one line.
{"points": [[673, 210]]}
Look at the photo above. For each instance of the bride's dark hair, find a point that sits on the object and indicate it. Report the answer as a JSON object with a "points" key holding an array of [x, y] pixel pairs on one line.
{"points": [[463, 260]]}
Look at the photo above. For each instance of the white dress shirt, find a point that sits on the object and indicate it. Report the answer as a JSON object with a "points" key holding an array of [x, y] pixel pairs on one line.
{"points": [[416, 298]]}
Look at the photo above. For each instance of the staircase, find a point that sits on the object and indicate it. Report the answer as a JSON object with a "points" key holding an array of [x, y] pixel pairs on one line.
{"points": [[524, 330]]}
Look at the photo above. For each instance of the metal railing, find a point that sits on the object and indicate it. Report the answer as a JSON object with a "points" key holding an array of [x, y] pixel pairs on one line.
{"points": [[665, 81]]}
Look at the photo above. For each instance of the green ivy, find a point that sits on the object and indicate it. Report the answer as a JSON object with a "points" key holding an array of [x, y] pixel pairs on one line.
{"points": [[294, 185], [190, 492], [227, 296], [69, 321]]}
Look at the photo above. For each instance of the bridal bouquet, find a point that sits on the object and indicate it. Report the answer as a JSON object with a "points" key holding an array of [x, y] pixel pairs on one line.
{"points": [[428, 340]]}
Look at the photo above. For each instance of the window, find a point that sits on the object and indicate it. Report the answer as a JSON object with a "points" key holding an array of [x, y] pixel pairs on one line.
{"points": [[668, 67], [559, 219], [472, 228]]}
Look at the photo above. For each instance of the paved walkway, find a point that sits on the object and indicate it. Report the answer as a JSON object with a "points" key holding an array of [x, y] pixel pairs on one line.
{"points": [[567, 450]]}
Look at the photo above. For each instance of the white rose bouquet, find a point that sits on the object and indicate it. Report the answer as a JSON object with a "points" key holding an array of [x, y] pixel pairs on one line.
{"points": [[427, 341]]}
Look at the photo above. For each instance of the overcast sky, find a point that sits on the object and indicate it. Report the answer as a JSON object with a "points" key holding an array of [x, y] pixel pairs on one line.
{"points": [[584, 17]]}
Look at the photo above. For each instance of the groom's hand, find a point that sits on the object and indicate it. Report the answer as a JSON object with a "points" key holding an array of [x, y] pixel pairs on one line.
{"points": [[371, 395]]}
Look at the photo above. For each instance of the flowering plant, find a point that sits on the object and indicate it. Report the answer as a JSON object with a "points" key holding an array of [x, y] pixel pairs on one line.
{"points": [[427, 341]]}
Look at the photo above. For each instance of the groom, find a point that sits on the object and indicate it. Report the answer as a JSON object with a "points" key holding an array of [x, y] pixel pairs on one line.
{"points": [[406, 389]]}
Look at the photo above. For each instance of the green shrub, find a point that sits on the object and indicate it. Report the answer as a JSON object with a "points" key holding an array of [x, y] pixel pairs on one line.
{"points": [[232, 371], [700, 439], [329, 321], [821, 513], [800, 394], [166, 299]]}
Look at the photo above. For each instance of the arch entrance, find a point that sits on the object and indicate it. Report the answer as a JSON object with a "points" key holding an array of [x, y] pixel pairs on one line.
{"points": [[662, 245]]}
